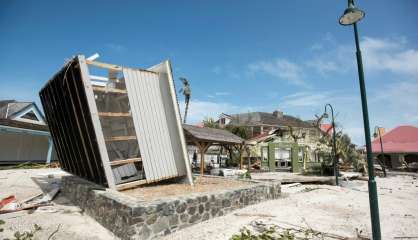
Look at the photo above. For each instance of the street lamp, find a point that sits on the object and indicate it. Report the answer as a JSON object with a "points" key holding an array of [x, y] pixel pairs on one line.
{"points": [[350, 17], [334, 148], [382, 162]]}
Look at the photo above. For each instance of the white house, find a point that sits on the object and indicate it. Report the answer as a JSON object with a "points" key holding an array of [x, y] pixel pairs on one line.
{"points": [[24, 135]]}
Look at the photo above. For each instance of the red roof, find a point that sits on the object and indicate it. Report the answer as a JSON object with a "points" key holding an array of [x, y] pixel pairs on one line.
{"points": [[261, 135], [326, 128], [403, 139]]}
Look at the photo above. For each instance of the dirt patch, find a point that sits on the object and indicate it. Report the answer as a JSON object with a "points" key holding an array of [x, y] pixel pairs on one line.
{"points": [[201, 185]]}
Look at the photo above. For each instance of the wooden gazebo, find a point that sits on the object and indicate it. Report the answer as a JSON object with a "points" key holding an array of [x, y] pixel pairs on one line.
{"points": [[204, 137]]}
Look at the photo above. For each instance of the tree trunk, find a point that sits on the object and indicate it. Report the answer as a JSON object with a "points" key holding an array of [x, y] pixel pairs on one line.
{"points": [[186, 109]]}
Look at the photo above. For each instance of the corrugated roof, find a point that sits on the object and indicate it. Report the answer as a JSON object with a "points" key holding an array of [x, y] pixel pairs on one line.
{"points": [[211, 134], [264, 118], [402, 139]]}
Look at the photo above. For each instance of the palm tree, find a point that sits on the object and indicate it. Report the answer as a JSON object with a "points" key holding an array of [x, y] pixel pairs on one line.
{"points": [[187, 92]]}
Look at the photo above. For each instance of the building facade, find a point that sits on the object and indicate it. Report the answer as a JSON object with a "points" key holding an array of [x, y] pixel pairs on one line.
{"points": [[281, 142], [24, 135], [400, 148]]}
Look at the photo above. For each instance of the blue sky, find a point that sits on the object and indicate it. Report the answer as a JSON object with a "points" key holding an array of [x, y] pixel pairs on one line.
{"points": [[238, 55]]}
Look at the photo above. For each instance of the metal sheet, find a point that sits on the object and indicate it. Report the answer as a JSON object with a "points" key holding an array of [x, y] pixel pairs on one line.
{"points": [[151, 124], [172, 111]]}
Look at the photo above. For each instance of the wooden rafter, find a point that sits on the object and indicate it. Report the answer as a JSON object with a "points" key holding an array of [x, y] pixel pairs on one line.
{"points": [[114, 114], [124, 161]]}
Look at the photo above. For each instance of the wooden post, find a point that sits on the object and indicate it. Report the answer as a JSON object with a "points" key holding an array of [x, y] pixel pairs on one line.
{"points": [[203, 147], [241, 157]]}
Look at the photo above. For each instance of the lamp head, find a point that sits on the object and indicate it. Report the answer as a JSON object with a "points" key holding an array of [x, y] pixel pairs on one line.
{"points": [[351, 14], [325, 115]]}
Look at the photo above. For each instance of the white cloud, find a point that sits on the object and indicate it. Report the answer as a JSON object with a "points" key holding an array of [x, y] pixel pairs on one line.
{"points": [[281, 69], [305, 99], [389, 55], [379, 54], [400, 98]]}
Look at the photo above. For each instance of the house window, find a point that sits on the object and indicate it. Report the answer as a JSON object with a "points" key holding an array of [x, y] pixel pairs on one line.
{"points": [[282, 157], [300, 155], [264, 154], [222, 121]]}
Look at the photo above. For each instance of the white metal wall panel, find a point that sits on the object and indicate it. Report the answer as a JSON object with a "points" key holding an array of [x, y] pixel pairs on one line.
{"points": [[151, 124], [173, 116]]}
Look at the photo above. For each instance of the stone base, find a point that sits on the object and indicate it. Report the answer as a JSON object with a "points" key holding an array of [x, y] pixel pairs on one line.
{"points": [[130, 218]]}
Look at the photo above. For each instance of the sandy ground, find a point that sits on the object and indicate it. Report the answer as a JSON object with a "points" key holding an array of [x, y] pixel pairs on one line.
{"points": [[201, 184], [67, 218], [331, 209]]}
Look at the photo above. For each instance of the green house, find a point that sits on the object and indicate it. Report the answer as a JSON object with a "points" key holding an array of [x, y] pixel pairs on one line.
{"points": [[297, 150], [281, 142]]}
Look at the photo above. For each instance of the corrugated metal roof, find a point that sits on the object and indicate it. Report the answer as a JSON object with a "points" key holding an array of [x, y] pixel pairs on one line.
{"points": [[402, 139], [211, 134]]}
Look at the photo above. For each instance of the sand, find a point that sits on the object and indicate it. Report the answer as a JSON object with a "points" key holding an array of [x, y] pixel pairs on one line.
{"points": [[331, 209], [201, 185]]}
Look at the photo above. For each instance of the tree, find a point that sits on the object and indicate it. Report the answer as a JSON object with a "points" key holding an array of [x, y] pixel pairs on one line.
{"points": [[187, 92], [210, 123]]}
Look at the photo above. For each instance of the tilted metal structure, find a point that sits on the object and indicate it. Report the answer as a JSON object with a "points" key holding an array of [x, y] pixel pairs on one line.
{"points": [[119, 131]]}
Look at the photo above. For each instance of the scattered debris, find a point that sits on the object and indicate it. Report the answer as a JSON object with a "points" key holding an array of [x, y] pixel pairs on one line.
{"points": [[292, 185], [7, 200], [253, 215], [54, 232], [258, 230], [11, 204], [27, 235], [1, 223]]}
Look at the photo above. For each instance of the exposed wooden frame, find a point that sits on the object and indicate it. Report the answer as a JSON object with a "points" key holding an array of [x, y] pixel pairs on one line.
{"points": [[124, 161], [129, 185], [104, 65], [96, 121], [114, 114], [120, 138], [111, 90]]}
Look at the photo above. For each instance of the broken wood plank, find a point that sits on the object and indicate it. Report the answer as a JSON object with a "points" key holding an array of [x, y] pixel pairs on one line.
{"points": [[128, 185], [109, 90], [120, 138], [114, 114], [104, 65], [254, 215], [125, 161]]}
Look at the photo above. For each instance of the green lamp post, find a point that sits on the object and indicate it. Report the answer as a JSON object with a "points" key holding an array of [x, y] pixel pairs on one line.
{"points": [[334, 148], [350, 17]]}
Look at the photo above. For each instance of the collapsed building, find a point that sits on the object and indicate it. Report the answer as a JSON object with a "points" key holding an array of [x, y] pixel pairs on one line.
{"points": [[119, 130]]}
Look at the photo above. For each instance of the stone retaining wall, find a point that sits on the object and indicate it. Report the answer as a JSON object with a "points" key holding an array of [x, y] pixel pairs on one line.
{"points": [[129, 218]]}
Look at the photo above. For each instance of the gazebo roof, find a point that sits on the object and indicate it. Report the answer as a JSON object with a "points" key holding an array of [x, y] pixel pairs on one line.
{"points": [[212, 135]]}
